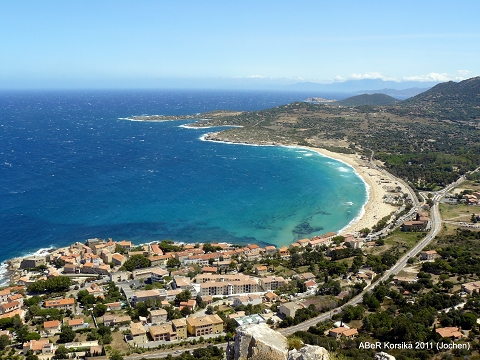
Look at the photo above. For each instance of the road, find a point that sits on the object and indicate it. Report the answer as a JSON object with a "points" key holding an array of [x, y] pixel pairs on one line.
{"points": [[165, 353], [436, 222]]}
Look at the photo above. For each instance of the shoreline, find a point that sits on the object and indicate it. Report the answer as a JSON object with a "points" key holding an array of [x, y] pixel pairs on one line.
{"points": [[374, 208], [370, 213]]}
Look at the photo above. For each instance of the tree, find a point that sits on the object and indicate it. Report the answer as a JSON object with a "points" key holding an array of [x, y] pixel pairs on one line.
{"points": [[173, 263], [31, 356], [136, 262], [4, 341], [185, 295], [99, 310], [61, 353], [115, 355], [66, 334]]}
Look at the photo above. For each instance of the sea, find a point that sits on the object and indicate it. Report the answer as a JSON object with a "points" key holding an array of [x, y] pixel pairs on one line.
{"points": [[73, 168]]}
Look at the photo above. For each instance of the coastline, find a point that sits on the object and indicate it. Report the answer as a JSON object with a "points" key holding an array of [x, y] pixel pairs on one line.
{"points": [[374, 209]]}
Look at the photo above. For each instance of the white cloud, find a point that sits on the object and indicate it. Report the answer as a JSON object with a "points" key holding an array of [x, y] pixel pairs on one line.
{"points": [[439, 77], [257, 77], [370, 75]]}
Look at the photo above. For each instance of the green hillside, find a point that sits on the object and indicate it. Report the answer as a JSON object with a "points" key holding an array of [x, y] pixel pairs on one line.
{"points": [[368, 99], [450, 100]]}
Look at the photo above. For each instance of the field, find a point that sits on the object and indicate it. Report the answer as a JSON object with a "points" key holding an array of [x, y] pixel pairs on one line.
{"points": [[458, 213]]}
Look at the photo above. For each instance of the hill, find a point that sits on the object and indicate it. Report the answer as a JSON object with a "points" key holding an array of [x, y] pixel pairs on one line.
{"points": [[450, 100], [409, 137], [367, 99]]}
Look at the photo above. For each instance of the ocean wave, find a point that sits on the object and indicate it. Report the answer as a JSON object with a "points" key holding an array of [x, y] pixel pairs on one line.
{"points": [[4, 279], [185, 126], [204, 138]]}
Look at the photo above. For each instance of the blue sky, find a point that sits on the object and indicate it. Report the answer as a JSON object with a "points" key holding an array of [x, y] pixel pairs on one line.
{"points": [[161, 43]]}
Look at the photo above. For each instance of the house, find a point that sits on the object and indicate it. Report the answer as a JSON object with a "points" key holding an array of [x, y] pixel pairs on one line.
{"points": [[190, 304], [4, 294], [343, 331], [34, 345], [241, 286], [61, 304], [157, 274], [70, 269], [158, 316], [181, 282], [246, 300], [414, 225], [306, 276], [163, 332], [144, 295], [449, 332], [261, 270], [10, 306], [270, 250], [95, 290], [284, 252], [303, 242], [125, 244], [76, 324], [311, 284], [155, 249], [52, 327], [204, 325], [114, 306], [209, 269], [33, 262], [138, 335], [118, 259], [271, 283], [428, 255], [113, 320], [250, 319], [289, 309], [208, 299], [120, 276], [471, 287], [270, 297], [180, 327]]}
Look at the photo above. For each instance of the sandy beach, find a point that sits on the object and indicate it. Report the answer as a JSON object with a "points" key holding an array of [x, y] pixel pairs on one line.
{"points": [[375, 209]]}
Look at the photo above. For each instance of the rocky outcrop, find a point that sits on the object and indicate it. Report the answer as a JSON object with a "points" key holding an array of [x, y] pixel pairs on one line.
{"points": [[259, 342], [309, 352]]}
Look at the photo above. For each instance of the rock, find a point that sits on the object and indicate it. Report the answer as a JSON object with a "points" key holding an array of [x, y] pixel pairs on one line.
{"points": [[258, 342], [383, 356], [309, 352]]}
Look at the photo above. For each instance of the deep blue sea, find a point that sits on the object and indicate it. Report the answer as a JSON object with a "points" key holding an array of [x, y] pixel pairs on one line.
{"points": [[71, 169]]}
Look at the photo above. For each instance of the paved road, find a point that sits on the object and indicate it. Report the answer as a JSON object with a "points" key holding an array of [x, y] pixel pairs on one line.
{"points": [[436, 222], [165, 353]]}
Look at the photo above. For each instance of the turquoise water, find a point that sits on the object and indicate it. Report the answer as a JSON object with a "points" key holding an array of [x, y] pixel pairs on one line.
{"points": [[70, 169]]}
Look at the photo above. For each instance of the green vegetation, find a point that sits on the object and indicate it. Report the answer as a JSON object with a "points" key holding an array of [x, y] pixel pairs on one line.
{"points": [[368, 99], [413, 139], [136, 262], [53, 285]]}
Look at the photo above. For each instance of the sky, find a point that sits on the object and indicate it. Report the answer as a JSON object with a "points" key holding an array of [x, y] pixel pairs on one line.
{"points": [[180, 43]]}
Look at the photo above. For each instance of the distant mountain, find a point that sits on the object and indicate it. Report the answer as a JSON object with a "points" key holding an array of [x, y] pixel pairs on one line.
{"points": [[368, 99], [397, 94], [450, 100], [355, 86]]}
